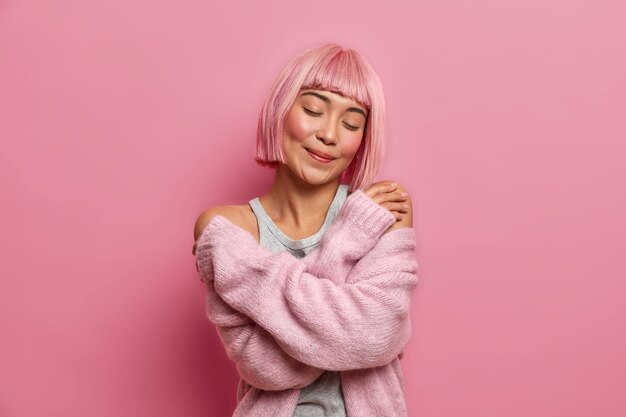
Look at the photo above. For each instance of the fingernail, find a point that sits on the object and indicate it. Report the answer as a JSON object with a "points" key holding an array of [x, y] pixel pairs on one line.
{"points": [[394, 184]]}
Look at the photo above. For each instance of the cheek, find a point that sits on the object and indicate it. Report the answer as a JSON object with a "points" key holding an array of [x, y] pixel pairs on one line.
{"points": [[350, 145], [297, 127]]}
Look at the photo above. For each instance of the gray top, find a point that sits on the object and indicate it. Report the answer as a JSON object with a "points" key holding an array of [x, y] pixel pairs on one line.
{"points": [[323, 397]]}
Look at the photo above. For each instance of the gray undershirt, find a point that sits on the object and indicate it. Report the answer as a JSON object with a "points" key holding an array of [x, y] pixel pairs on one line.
{"points": [[324, 396]]}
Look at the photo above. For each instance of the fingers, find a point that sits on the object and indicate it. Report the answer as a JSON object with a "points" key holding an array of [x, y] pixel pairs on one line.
{"points": [[386, 194], [401, 207], [380, 187]]}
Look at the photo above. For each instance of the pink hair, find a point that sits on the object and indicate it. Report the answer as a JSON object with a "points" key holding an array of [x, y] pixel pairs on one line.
{"points": [[342, 71]]}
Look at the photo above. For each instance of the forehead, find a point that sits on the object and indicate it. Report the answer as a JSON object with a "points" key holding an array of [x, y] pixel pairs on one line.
{"points": [[330, 97]]}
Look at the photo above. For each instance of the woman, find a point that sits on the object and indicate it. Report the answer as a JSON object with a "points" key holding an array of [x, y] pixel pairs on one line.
{"points": [[322, 130]]}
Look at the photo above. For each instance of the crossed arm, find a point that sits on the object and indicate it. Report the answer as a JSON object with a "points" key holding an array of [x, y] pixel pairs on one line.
{"points": [[327, 310], [258, 358]]}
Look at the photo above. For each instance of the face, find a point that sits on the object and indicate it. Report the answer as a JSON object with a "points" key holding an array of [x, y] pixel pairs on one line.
{"points": [[324, 123]]}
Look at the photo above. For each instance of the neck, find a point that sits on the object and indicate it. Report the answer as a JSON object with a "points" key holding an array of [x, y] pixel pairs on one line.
{"points": [[295, 202]]}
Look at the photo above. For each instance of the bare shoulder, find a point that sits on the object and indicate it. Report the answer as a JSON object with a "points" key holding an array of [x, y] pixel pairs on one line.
{"points": [[207, 215], [240, 215]]}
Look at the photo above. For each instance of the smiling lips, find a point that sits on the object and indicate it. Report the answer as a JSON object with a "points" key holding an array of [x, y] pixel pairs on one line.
{"points": [[320, 156]]}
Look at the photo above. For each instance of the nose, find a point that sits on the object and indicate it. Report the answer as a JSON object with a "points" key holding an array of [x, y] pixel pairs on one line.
{"points": [[327, 132]]}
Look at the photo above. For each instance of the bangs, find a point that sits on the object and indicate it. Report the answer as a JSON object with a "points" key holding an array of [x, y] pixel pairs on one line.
{"points": [[340, 73]]}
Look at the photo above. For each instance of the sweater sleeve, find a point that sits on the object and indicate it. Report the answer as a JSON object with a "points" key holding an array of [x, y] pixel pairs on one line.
{"points": [[344, 308], [258, 358]]}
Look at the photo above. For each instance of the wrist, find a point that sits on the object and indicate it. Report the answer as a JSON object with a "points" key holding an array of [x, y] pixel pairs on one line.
{"points": [[366, 214]]}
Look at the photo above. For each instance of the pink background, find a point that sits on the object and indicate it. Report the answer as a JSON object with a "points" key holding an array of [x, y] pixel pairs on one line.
{"points": [[122, 120]]}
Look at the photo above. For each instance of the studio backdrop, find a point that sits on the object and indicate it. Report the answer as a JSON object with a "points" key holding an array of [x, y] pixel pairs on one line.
{"points": [[121, 121]]}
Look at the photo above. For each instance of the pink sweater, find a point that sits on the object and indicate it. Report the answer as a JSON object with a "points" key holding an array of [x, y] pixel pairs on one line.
{"points": [[343, 307]]}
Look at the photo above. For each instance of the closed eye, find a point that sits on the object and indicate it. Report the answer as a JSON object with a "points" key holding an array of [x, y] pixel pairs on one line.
{"points": [[319, 114], [311, 112]]}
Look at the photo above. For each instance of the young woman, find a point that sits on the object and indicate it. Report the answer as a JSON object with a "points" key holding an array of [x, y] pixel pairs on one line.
{"points": [[322, 130]]}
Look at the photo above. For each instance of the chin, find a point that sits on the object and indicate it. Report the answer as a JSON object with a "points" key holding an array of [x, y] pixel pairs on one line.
{"points": [[314, 179]]}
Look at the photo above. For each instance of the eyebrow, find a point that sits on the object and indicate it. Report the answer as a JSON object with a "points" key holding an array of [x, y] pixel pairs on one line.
{"points": [[327, 100]]}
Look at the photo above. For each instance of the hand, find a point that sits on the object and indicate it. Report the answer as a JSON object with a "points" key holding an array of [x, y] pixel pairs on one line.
{"points": [[395, 199]]}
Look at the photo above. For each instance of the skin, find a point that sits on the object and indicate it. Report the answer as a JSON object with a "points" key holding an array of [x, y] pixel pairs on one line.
{"points": [[303, 188]]}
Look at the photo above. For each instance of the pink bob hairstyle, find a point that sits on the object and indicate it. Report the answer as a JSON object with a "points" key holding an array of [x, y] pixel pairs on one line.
{"points": [[342, 71]]}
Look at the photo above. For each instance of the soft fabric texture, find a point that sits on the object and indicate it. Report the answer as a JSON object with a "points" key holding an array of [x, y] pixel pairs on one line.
{"points": [[343, 307], [324, 396]]}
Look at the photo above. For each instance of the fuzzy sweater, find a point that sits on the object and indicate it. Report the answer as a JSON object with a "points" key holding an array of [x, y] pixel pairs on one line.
{"points": [[343, 307]]}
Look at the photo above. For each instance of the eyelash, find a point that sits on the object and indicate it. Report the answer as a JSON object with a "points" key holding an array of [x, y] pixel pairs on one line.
{"points": [[350, 127]]}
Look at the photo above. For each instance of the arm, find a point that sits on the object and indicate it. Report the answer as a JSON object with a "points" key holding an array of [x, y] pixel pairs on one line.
{"points": [[355, 318], [245, 341], [259, 360]]}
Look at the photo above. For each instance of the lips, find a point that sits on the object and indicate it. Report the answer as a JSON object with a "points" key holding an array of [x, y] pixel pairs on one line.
{"points": [[321, 155]]}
